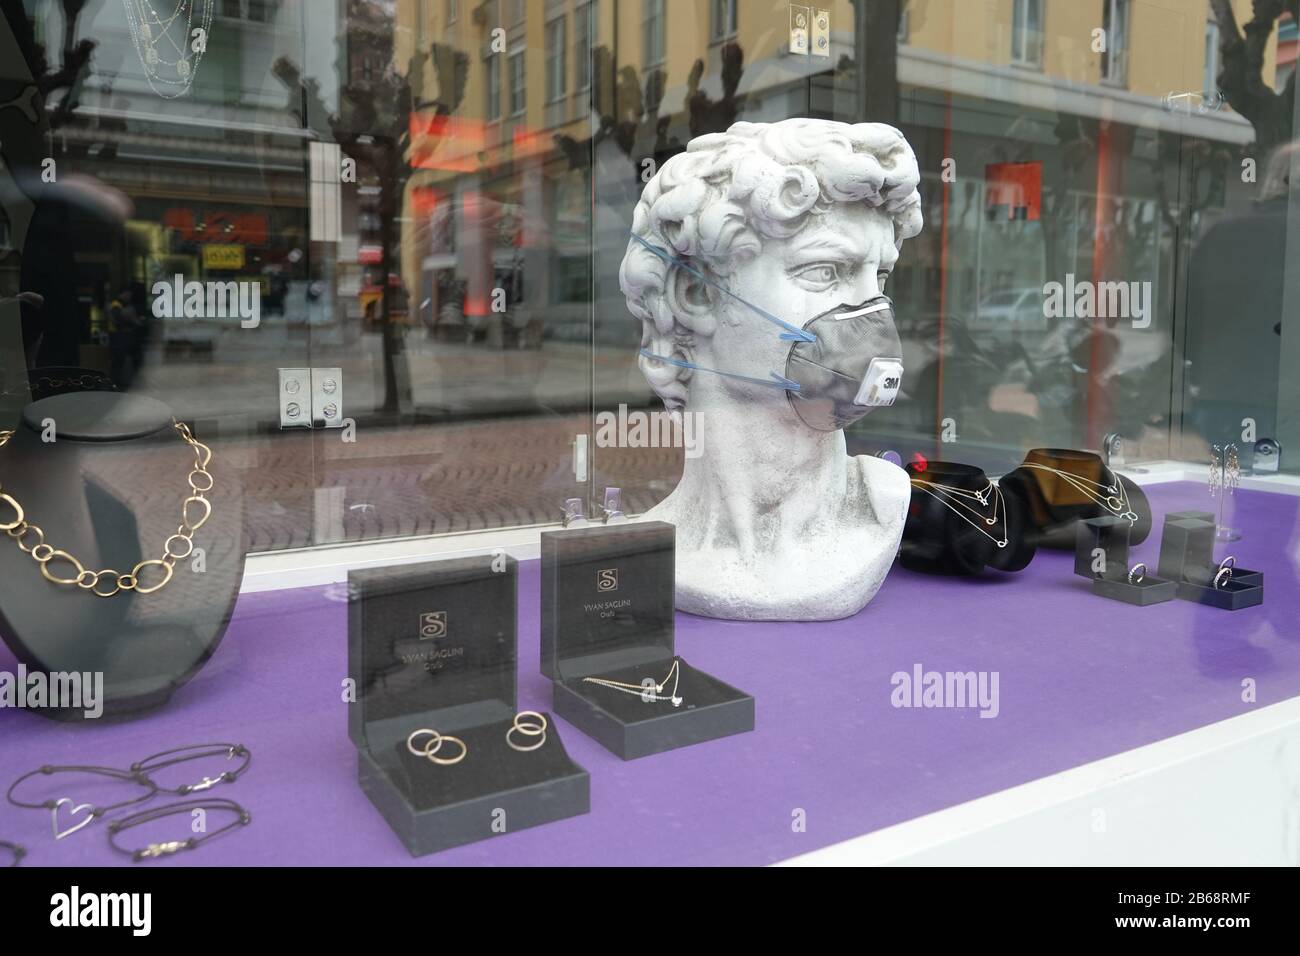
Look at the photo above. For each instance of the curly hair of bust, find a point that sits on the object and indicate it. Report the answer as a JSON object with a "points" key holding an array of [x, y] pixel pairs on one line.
{"points": [[713, 205]]}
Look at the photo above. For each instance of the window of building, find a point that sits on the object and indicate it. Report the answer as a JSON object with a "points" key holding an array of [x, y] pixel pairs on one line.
{"points": [[1210, 82], [652, 32], [492, 88], [1114, 59], [518, 95], [584, 38], [1027, 32], [256, 11], [556, 60], [723, 19]]}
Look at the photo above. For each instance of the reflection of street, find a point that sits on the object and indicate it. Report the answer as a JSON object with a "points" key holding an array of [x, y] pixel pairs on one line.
{"points": [[454, 469], [234, 373], [422, 479]]}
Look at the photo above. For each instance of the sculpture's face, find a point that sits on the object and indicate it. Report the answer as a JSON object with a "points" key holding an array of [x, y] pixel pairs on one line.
{"points": [[840, 258]]}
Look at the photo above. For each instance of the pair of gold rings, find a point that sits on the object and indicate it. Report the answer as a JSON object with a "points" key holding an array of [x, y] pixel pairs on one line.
{"points": [[436, 740], [1224, 574], [529, 723]]}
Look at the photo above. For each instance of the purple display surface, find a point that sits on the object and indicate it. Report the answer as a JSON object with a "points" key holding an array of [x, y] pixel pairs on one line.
{"points": [[1080, 678]]}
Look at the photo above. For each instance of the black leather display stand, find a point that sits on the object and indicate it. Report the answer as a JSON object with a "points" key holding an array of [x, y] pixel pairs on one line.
{"points": [[433, 645], [1187, 557], [1110, 535], [607, 612], [109, 490], [1055, 505], [937, 539]]}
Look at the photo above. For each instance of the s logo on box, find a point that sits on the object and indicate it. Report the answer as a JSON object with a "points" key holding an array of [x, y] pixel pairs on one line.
{"points": [[607, 580], [433, 624]]}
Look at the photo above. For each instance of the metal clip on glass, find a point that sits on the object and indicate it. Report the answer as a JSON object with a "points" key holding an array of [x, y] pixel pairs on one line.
{"points": [[574, 514], [613, 506]]}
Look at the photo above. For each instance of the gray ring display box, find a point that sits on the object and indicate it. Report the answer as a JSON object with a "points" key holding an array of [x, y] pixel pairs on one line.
{"points": [[608, 644], [1187, 556], [434, 645]]}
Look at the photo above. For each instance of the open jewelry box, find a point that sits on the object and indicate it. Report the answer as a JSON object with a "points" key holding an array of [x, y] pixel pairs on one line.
{"points": [[433, 645], [608, 644], [1187, 556]]}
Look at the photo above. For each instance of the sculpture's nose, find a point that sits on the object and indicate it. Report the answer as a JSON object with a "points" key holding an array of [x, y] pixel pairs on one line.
{"points": [[863, 285]]}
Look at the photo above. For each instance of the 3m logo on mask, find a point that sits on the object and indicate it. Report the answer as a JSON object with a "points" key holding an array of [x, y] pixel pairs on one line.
{"points": [[842, 374]]}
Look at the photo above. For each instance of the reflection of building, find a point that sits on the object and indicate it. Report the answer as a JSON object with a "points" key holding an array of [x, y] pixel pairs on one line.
{"points": [[213, 177], [510, 129]]}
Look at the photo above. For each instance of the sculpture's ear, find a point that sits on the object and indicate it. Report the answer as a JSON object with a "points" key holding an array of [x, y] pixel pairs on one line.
{"points": [[691, 299]]}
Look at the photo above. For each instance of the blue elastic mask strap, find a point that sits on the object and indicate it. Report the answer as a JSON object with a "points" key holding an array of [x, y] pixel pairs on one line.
{"points": [[792, 333], [777, 381]]}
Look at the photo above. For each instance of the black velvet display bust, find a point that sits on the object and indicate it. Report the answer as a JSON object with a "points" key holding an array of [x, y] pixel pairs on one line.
{"points": [[939, 540], [1056, 504], [108, 490]]}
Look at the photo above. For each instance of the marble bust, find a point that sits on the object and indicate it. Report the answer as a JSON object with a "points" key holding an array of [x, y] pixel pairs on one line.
{"points": [[753, 245]]}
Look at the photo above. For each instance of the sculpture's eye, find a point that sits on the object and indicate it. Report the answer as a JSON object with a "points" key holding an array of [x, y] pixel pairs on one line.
{"points": [[819, 276]]}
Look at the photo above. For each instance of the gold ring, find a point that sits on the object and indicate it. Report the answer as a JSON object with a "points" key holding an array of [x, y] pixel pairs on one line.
{"points": [[533, 727], [448, 761], [432, 747], [541, 741]]}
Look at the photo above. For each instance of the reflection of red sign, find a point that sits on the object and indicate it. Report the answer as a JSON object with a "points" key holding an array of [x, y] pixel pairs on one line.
{"points": [[239, 228], [446, 142], [1016, 188], [457, 144], [424, 200], [370, 255]]}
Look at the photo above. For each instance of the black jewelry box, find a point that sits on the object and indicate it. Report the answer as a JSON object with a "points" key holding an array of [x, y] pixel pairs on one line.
{"points": [[433, 645], [607, 613], [1110, 534], [1187, 554]]}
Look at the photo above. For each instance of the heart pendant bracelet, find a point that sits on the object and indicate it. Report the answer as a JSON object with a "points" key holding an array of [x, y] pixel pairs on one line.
{"points": [[89, 812]]}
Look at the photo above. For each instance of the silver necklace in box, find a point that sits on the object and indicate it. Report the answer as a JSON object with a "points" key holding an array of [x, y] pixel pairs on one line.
{"points": [[155, 36]]}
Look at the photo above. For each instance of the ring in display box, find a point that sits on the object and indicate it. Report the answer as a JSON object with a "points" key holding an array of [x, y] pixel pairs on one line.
{"points": [[1117, 579], [608, 644], [432, 649], [1187, 556]]}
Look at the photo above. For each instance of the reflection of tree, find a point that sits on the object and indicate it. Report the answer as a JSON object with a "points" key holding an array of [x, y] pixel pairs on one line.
{"points": [[23, 128], [1240, 79], [628, 111], [876, 45], [372, 126], [75, 55], [714, 116]]}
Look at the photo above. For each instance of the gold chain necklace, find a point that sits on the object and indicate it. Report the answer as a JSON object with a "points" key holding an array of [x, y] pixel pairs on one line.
{"points": [[1113, 497], [643, 690], [195, 511], [949, 495]]}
